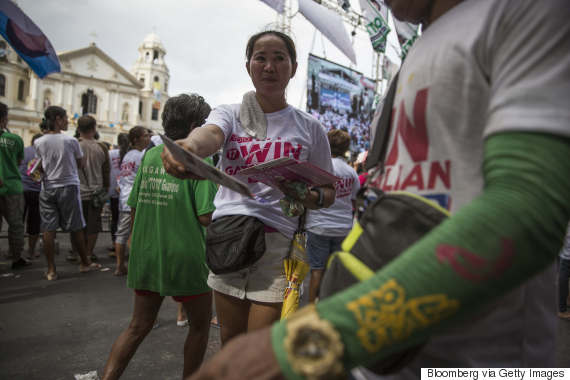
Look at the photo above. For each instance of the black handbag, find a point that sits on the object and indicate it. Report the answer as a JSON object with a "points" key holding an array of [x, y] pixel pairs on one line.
{"points": [[234, 242]]}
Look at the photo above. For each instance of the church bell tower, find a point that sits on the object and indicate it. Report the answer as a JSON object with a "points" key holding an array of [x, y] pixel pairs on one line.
{"points": [[151, 70]]}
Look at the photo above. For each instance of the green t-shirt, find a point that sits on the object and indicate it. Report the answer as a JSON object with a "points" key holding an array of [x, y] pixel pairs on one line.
{"points": [[11, 153], [168, 243]]}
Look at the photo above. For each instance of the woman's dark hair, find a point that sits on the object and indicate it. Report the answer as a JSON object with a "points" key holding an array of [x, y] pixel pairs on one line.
{"points": [[289, 44], [134, 134], [123, 143], [339, 141], [182, 114], [35, 137], [48, 123]]}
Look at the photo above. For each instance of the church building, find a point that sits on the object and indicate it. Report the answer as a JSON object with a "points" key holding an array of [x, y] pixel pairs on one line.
{"points": [[90, 82]]}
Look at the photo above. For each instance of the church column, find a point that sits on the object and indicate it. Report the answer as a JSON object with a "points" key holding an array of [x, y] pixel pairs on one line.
{"points": [[34, 90], [116, 106], [68, 96], [107, 105], [58, 93]]}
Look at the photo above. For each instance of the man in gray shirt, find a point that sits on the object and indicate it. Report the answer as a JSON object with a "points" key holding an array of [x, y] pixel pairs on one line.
{"points": [[60, 204], [93, 178]]}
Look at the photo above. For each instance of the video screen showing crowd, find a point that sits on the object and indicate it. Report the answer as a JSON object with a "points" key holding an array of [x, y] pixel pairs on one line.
{"points": [[341, 98]]}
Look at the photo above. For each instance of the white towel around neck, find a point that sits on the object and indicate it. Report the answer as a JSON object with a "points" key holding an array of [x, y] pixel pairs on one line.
{"points": [[252, 117]]}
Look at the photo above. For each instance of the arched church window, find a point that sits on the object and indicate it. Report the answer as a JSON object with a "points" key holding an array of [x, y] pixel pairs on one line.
{"points": [[155, 56], [141, 79], [21, 90], [125, 113], [147, 56], [140, 108], [2, 85], [166, 85], [88, 102], [47, 99]]}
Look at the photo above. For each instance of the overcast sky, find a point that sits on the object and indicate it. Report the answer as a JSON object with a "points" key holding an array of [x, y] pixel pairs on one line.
{"points": [[204, 39]]}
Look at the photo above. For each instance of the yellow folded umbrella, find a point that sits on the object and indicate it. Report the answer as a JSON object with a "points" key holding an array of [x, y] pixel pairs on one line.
{"points": [[296, 269]]}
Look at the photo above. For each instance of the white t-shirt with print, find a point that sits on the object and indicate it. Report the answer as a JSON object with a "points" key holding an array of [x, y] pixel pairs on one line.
{"points": [[59, 154], [290, 132], [484, 67], [337, 219], [127, 175], [114, 160]]}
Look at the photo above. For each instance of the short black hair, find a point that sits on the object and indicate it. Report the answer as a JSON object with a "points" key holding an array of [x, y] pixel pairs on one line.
{"points": [[86, 124], [182, 114], [289, 44], [3, 111]]}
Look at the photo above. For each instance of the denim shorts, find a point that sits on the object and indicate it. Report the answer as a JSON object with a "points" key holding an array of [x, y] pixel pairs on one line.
{"points": [[320, 247]]}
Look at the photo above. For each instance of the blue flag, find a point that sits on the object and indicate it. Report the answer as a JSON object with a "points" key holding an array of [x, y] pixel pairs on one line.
{"points": [[27, 40]]}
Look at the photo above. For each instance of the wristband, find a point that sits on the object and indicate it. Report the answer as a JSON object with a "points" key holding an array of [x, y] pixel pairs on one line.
{"points": [[321, 200]]}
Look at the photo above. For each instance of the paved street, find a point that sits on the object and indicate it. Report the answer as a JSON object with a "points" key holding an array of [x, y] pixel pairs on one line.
{"points": [[53, 330]]}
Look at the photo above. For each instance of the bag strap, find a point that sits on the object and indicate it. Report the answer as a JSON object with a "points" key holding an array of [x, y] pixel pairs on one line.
{"points": [[377, 154], [301, 223]]}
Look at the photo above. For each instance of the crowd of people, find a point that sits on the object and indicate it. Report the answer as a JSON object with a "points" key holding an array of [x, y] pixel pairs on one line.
{"points": [[475, 291], [357, 127]]}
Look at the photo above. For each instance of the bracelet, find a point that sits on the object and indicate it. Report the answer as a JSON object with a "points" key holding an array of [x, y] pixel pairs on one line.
{"points": [[321, 200]]}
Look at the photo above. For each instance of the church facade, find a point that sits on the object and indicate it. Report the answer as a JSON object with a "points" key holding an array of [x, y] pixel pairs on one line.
{"points": [[90, 82]]}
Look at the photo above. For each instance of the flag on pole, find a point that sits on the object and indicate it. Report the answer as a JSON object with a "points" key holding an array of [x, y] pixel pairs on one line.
{"points": [[27, 39], [375, 15], [407, 35], [330, 24], [278, 5]]}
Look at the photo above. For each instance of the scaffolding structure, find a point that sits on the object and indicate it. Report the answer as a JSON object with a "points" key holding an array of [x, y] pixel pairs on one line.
{"points": [[350, 17]]}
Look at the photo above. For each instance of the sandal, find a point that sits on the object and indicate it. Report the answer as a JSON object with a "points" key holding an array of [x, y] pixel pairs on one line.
{"points": [[50, 276], [120, 272], [183, 323], [89, 268]]}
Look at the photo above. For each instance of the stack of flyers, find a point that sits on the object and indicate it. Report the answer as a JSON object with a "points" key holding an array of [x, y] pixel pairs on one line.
{"points": [[289, 169], [34, 169]]}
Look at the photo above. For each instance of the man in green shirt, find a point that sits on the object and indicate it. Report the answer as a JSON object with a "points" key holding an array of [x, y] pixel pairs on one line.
{"points": [[11, 191]]}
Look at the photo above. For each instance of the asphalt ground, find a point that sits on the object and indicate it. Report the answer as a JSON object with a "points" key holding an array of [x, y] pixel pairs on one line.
{"points": [[55, 330]]}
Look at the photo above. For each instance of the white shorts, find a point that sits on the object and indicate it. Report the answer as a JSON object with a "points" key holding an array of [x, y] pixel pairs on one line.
{"points": [[123, 227], [264, 281]]}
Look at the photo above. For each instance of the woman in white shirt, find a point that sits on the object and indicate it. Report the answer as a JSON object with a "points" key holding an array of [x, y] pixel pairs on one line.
{"points": [[252, 298], [139, 139]]}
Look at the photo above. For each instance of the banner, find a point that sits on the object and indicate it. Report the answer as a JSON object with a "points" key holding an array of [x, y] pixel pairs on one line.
{"points": [[278, 5], [330, 24], [341, 98], [407, 35], [27, 40], [375, 15]]}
